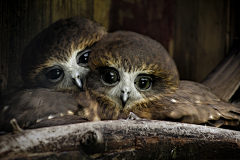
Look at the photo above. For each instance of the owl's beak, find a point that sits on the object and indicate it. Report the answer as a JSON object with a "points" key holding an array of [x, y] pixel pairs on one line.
{"points": [[124, 95], [78, 82], [77, 78]]}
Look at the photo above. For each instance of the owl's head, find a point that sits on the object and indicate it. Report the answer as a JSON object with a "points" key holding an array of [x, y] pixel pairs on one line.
{"points": [[57, 58], [129, 70]]}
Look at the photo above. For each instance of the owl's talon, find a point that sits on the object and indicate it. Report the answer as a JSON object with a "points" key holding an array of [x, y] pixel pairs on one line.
{"points": [[15, 126], [216, 123], [133, 116]]}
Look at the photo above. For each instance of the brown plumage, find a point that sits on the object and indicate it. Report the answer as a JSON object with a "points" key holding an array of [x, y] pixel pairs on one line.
{"points": [[124, 63], [55, 57], [30, 106], [54, 66]]}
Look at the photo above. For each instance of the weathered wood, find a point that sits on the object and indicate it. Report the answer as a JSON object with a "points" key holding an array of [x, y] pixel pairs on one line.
{"points": [[2, 58], [123, 139], [153, 18], [101, 12], [200, 37]]}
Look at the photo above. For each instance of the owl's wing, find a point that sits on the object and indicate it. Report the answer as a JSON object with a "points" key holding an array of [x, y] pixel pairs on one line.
{"points": [[195, 103], [224, 80], [62, 120], [29, 106]]}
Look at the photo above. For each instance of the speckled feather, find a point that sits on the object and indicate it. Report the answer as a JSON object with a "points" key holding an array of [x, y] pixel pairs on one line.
{"points": [[31, 105]]}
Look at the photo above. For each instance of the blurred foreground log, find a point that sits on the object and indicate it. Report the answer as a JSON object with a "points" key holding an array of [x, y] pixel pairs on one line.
{"points": [[121, 139]]}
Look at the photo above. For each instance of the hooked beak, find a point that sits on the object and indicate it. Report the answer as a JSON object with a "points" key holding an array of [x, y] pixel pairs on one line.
{"points": [[78, 82], [77, 79], [124, 96]]}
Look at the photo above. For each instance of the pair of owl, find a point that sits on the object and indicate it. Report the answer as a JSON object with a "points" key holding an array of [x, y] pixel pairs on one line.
{"points": [[74, 71]]}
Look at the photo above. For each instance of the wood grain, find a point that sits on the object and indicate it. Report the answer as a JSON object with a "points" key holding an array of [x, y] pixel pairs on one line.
{"points": [[102, 12], [200, 37], [123, 139], [153, 18]]}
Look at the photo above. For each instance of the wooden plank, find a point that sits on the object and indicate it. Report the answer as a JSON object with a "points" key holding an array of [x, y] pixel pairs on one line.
{"points": [[2, 58], [200, 37], [65, 9], [9, 51], [102, 12], [234, 26], [153, 18]]}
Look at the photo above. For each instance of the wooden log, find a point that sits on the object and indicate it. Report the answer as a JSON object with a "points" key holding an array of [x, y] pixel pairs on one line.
{"points": [[149, 139]]}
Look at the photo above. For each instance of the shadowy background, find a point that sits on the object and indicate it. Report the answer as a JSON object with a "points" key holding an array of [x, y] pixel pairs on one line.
{"points": [[198, 34]]}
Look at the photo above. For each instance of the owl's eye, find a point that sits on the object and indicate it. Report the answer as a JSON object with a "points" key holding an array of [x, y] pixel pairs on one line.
{"points": [[82, 57], [110, 76], [54, 74], [143, 82]]}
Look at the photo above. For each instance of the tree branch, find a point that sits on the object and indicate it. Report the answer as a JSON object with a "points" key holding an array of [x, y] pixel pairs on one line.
{"points": [[148, 139]]}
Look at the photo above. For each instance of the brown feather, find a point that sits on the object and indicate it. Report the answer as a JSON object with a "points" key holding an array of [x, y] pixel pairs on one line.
{"points": [[28, 106]]}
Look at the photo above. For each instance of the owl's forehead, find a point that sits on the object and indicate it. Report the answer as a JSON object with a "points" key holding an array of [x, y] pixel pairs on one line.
{"points": [[124, 64], [129, 72], [65, 59], [65, 54]]}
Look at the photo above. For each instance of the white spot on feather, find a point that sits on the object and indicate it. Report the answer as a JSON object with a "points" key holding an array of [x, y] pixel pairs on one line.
{"points": [[70, 112], [5, 108], [50, 116], [210, 117], [197, 101], [39, 120]]}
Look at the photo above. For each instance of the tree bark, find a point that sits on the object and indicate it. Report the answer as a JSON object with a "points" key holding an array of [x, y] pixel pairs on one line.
{"points": [[118, 139]]}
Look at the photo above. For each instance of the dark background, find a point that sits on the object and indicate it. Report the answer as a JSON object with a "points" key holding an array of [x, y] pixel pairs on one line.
{"points": [[197, 33]]}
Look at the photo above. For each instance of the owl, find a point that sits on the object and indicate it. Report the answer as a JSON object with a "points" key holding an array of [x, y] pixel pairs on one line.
{"points": [[57, 58], [54, 66], [133, 73]]}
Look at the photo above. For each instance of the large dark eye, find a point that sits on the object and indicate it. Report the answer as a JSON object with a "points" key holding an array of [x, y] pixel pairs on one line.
{"points": [[82, 57], [143, 82], [54, 74], [110, 76]]}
